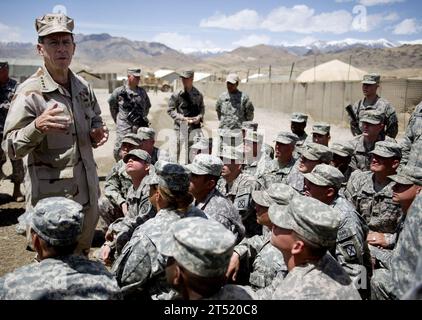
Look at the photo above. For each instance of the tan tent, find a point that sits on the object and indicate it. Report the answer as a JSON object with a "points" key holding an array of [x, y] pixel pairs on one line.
{"points": [[333, 70]]}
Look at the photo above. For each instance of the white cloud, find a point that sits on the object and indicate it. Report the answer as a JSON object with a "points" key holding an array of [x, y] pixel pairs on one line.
{"points": [[185, 43], [370, 3], [252, 40], [407, 26], [9, 34], [374, 21], [300, 43], [242, 20]]}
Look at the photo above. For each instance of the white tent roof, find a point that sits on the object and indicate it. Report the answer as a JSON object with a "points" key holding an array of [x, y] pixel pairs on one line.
{"points": [[334, 70], [162, 73], [254, 77]]}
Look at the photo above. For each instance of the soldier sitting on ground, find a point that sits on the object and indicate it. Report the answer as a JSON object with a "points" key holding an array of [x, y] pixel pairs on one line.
{"points": [[56, 224], [342, 156], [147, 136], [201, 145], [298, 122], [198, 252], [204, 172], [253, 152], [321, 133]]}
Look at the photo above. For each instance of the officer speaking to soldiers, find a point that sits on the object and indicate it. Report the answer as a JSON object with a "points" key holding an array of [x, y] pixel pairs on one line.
{"points": [[129, 107]]}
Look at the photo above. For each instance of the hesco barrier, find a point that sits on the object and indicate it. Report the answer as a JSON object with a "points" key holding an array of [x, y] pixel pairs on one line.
{"points": [[323, 101]]}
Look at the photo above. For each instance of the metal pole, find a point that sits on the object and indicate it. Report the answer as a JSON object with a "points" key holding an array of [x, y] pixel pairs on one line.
{"points": [[350, 64], [269, 73], [314, 68], [291, 71]]}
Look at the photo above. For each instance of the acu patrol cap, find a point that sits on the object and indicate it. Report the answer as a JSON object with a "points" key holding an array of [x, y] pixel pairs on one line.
{"points": [[314, 152], [372, 116], [53, 23], [298, 117], [173, 177], [138, 153], [325, 175], [277, 193], [202, 246], [136, 72], [371, 78], [250, 125], [206, 164], [132, 138], [146, 133], [232, 78], [387, 149], [187, 74], [57, 220], [321, 128], [286, 138], [408, 175], [342, 149], [311, 219]]}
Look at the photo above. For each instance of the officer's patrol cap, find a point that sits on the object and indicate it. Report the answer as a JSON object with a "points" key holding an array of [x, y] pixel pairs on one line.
{"points": [[146, 133], [325, 175], [254, 136], [311, 219], [4, 64], [173, 177], [136, 72], [57, 220], [204, 164], [408, 175], [342, 149], [250, 125], [132, 138], [372, 116], [53, 23], [286, 138], [277, 193], [321, 128], [138, 153], [317, 152], [371, 78], [232, 78], [298, 117], [387, 149], [187, 74], [202, 246]]}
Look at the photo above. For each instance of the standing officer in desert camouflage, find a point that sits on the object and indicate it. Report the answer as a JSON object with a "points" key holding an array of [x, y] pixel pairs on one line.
{"points": [[372, 101], [53, 123], [129, 107]]}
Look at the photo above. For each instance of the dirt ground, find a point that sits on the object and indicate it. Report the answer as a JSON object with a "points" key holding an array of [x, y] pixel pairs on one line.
{"points": [[13, 251]]}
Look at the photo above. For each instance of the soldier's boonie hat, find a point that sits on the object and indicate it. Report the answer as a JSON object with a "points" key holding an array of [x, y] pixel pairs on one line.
{"points": [[232, 78], [314, 151], [138, 153], [277, 193], [387, 149], [187, 74], [325, 175], [372, 116], [57, 220], [132, 138], [372, 78], [206, 164], [202, 246], [321, 128], [311, 219], [173, 177], [136, 72], [298, 117], [342, 149], [53, 23], [286, 138], [408, 175], [146, 133]]}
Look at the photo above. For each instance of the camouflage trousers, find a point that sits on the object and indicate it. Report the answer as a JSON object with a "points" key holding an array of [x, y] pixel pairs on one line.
{"points": [[381, 285], [108, 212], [18, 172]]}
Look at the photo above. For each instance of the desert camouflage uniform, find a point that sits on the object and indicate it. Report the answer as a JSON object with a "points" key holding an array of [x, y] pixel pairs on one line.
{"points": [[219, 208], [240, 193], [377, 208], [233, 109], [412, 142], [62, 278], [121, 102], [267, 261], [56, 163], [361, 158], [391, 122], [6, 94], [275, 174]]}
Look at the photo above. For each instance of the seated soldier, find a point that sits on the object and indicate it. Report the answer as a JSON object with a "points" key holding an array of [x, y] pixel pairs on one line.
{"points": [[198, 252], [56, 224], [253, 152], [321, 133], [298, 124], [265, 260], [201, 145], [342, 156], [147, 136]]}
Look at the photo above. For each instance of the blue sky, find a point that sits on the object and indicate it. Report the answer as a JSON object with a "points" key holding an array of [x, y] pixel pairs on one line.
{"points": [[193, 25]]}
